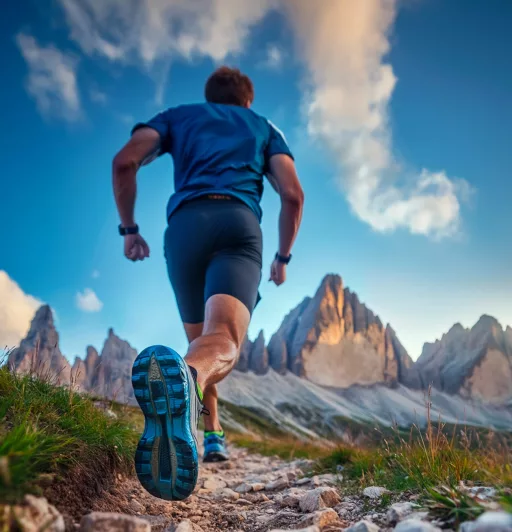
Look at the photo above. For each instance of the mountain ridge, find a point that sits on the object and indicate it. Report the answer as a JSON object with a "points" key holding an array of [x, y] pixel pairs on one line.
{"points": [[332, 340]]}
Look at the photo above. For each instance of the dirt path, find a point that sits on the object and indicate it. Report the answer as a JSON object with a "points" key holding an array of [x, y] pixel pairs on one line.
{"points": [[248, 493]]}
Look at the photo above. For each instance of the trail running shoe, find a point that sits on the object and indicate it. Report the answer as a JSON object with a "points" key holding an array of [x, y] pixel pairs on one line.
{"points": [[215, 448], [166, 460]]}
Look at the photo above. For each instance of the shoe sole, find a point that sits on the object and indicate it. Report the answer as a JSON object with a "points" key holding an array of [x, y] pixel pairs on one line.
{"points": [[166, 459], [215, 457]]}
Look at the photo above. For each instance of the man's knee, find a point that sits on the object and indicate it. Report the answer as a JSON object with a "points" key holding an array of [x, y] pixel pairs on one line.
{"points": [[227, 318]]}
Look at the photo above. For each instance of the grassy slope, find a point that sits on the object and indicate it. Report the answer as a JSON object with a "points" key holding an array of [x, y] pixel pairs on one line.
{"points": [[46, 431]]}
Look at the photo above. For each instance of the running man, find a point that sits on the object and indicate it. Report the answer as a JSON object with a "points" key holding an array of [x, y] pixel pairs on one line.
{"points": [[213, 247]]}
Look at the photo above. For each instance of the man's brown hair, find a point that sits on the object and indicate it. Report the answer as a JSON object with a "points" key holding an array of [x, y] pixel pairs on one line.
{"points": [[228, 85]]}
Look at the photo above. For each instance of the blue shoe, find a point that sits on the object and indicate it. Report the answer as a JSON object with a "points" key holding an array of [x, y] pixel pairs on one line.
{"points": [[215, 449], [166, 460]]}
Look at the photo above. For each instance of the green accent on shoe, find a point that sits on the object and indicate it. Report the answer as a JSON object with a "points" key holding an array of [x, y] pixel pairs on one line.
{"points": [[219, 433], [199, 392]]}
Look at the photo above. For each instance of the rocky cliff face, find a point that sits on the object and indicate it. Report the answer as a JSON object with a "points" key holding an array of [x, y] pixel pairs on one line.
{"points": [[39, 352], [474, 362], [107, 374], [334, 340], [254, 356]]}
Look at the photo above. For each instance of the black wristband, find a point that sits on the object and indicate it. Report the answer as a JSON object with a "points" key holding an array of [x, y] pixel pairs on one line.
{"points": [[284, 260], [128, 230]]}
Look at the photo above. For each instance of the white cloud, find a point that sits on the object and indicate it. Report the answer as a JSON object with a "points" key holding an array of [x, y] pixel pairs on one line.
{"points": [[275, 57], [95, 274], [127, 30], [16, 311], [52, 79], [88, 301], [98, 96], [344, 44]]}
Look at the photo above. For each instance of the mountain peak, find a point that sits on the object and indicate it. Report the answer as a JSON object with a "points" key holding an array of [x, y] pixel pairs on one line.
{"points": [[43, 317]]}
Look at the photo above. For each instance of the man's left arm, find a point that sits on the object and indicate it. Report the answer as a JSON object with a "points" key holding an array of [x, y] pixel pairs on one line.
{"points": [[143, 146]]}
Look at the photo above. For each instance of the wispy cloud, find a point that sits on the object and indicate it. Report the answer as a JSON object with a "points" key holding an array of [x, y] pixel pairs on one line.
{"points": [[274, 58], [344, 44], [98, 96], [51, 79], [88, 301], [16, 311], [95, 274], [132, 30]]}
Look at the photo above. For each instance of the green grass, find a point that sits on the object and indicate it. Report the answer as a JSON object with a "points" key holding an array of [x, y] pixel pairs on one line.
{"points": [[430, 462], [46, 431]]}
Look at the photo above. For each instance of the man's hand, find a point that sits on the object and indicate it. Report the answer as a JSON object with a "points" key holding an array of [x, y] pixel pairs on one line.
{"points": [[278, 272], [135, 247]]}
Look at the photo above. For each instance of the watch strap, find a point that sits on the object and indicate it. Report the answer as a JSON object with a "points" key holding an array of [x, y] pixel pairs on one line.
{"points": [[281, 258], [133, 230]]}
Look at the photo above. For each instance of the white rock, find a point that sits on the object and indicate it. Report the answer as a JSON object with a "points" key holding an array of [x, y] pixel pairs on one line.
{"points": [[280, 484], [112, 522], [319, 498], [399, 511], [37, 514], [415, 525], [321, 518], [214, 483], [329, 479], [363, 526], [489, 522], [302, 481], [375, 492], [308, 529], [225, 493], [187, 526], [243, 488], [482, 492]]}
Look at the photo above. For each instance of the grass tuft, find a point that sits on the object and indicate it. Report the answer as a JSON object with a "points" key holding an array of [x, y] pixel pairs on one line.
{"points": [[46, 430]]}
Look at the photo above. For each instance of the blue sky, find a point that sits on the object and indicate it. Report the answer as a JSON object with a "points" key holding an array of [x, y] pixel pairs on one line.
{"points": [[399, 116]]}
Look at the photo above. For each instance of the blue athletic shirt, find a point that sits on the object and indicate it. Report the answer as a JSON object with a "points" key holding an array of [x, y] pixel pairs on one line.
{"points": [[217, 149]]}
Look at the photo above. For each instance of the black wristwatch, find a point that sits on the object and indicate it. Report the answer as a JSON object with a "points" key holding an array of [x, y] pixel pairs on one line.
{"points": [[284, 260], [128, 230]]}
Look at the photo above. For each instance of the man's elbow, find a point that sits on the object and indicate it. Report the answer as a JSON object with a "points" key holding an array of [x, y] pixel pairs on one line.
{"points": [[294, 198], [123, 163]]}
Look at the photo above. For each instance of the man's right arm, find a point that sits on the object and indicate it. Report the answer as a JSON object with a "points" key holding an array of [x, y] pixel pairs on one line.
{"points": [[282, 169]]}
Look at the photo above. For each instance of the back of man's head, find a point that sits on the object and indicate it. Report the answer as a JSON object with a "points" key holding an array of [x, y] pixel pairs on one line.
{"points": [[229, 86]]}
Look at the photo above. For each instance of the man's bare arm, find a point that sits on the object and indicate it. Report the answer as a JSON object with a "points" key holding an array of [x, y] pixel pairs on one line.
{"points": [[287, 184], [273, 181], [140, 149]]}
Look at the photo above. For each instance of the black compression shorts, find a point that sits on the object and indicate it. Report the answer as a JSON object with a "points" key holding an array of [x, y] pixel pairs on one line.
{"points": [[213, 246]]}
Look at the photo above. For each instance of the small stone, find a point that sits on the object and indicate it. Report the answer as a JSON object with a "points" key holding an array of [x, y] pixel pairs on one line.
{"points": [[321, 518], [37, 514], [137, 507], [213, 484], [363, 526], [280, 484], [319, 498], [292, 498], [308, 529], [258, 486], [489, 522], [225, 493], [399, 511], [187, 526], [113, 522], [415, 525], [243, 488], [375, 492], [329, 479], [243, 501], [302, 481], [257, 497], [482, 492]]}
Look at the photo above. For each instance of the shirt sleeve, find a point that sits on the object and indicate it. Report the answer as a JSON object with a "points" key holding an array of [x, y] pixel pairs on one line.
{"points": [[161, 123], [276, 143]]}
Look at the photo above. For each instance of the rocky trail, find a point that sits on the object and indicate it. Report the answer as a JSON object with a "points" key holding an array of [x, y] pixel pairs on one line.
{"points": [[249, 493]]}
